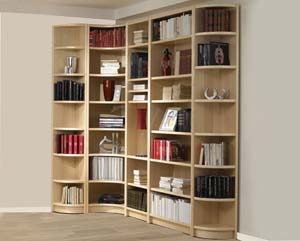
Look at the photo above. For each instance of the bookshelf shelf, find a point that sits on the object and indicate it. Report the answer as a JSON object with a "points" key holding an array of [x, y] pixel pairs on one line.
{"points": [[182, 164], [136, 185], [213, 67], [177, 133], [170, 193], [69, 102], [137, 158], [215, 167], [107, 102], [173, 40], [70, 48], [170, 101], [107, 129], [215, 34], [212, 121], [69, 181], [179, 76], [227, 101], [214, 199]]}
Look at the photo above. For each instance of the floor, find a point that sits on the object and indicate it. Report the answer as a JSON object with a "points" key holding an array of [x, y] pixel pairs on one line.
{"points": [[88, 227]]}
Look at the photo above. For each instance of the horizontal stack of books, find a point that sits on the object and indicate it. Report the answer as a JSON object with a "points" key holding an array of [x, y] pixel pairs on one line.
{"points": [[107, 37], [172, 27], [107, 168], [171, 208], [111, 198], [139, 65], [69, 144], [140, 36], [215, 186], [137, 199], [168, 150], [140, 177], [111, 121], [216, 19], [68, 90], [213, 53], [181, 185], [110, 67], [72, 195], [165, 183], [212, 154]]}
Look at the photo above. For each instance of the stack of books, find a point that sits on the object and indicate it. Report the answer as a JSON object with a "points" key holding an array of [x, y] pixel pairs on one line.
{"points": [[110, 67], [212, 154], [137, 199], [181, 185], [172, 27], [140, 177], [69, 144], [111, 121], [215, 186], [72, 195], [140, 36], [171, 208], [107, 168], [165, 183]]}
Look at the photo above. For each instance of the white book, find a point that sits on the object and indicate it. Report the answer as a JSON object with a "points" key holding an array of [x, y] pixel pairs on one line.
{"points": [[139, 97], [165, 29], [94, 168], [177, 62], [139, 87], [201, 155], [139, 172]]}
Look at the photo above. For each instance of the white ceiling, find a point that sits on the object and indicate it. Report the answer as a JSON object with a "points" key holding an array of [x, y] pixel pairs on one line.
{"points": [[110, 4]]}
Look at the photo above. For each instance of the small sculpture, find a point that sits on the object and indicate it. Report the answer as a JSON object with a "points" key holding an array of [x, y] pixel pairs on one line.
{"points": [[216, 95], [113, 145], [166, 63]]}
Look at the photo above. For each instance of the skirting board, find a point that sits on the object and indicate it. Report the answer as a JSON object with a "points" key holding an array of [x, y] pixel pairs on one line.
{"points": [[245, 237], [26, 210]]}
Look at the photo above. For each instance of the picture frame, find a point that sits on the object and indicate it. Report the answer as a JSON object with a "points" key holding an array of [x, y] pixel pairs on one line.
{"points": [[169, 120]]}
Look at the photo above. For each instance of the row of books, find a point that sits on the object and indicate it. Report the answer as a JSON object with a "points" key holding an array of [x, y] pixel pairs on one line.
{"points": [[168, 150], [176, 185], [68, 90], [107, 168], [110, 66], [107, 37], [172, 27], [111, 121], [69, 144], [183, 61], [212, 154], [111, 198], [216, 19], [215, 186], [72, 195], [177, 92], [139, 65], [137, 199], [140, 177], [213, 53], [171, 208]]}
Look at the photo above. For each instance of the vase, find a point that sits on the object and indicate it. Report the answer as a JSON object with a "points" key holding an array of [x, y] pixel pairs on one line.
{"points": [[108, 89]]}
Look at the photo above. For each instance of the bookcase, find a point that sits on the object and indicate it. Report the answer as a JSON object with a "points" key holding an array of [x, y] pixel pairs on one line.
{"points": [[210, 199]]}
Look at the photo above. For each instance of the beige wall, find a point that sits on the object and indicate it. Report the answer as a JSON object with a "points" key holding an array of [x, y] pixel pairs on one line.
{"points": [[26, 60]]}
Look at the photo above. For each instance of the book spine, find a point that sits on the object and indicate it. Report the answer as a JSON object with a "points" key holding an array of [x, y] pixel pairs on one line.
{"points": [[70, 144], [75, 144], [81, 144]]}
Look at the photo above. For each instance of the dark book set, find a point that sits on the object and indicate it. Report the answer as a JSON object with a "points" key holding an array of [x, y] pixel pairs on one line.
{"points": [[139, 65], [214, 186], [111, 198], [107, 37], [137, 199], [183, 123], [68, 90], [69, 144], [168, 150], [185, 62], [213, 53], [216, 19]]}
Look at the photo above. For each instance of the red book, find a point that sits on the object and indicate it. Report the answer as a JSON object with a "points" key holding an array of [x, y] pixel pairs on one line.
{"points": [[227, 20], [57, 143], [65, 141], [61, 144], [215, 19], [206, 15], [156, 150], [70, 144], [163, 150], [75, 144], [210, 20], [81, 144]]}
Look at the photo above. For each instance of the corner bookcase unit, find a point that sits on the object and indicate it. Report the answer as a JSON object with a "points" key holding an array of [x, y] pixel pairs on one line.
{"points": [[142, 104]]}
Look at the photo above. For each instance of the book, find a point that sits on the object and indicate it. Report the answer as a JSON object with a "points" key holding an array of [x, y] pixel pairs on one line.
{"points": [[139, 86], [169, 120], [68, 90], [139, 65], [80, 144], [139, 97], [107, 37], [216, 19], [183, 123]]}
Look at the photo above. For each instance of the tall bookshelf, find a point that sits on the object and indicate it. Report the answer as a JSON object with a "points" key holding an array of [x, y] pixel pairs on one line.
{"points": [[213, 121]]}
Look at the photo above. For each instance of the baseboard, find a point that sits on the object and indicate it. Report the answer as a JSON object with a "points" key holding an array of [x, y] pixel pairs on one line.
{"points": [[26, 210], [245, 237]]}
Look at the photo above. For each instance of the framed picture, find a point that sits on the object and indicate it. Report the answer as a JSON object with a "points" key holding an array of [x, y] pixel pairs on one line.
{"points": [[169, 121]]}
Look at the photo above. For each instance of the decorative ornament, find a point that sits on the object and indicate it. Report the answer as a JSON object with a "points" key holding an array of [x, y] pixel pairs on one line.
{"points": [[166, 63], [214, 96], [224, 94]]}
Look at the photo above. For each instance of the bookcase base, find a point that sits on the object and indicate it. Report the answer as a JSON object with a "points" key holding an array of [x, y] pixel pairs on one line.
{"points": [[214, 234], [185, 228], [68, 209], [137, 214], [106, 208]]}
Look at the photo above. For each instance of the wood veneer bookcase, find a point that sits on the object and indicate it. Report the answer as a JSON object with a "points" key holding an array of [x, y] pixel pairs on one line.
{"points": [[212, 121]]}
